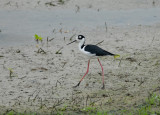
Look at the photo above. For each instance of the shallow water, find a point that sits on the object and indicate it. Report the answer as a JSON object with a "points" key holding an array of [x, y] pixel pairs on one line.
{"points": [[19, 26]]}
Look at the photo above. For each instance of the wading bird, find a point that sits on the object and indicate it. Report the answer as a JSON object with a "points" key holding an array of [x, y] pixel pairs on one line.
{"points": [[92, 51]]}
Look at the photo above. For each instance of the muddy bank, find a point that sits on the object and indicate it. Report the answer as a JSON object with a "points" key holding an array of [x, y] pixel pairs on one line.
{"points": [[43, 81], [40, 77]]}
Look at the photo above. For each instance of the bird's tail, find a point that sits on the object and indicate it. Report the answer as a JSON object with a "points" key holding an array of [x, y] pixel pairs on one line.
{"points": [[116, 56]]}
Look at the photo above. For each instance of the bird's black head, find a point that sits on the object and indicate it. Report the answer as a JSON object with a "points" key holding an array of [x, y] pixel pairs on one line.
{"points": [[80, 37]]}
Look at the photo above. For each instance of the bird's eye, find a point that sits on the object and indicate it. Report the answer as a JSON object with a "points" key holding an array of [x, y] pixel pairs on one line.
{"points": [[79, 37]]}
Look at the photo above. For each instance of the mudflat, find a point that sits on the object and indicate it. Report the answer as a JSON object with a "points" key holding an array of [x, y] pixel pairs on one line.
{"points": [[39, 77]]}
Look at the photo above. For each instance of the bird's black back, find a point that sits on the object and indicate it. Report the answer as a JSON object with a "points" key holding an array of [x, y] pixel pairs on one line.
{"points": [[93, 49]]}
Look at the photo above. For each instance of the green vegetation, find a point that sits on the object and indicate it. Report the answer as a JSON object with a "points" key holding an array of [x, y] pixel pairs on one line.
{"points": [[151, 106], [11, 73], [153, 99], [38, 38], [15, 113]]}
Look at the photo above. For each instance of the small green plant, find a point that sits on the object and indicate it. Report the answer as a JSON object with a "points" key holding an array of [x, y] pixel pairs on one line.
{"points": [[10, 72], [89, 109], [101, 113], [16, 113], [153, 99], [38, 38], [144, 110], [60, 113], [63, 108], [11, 113]]}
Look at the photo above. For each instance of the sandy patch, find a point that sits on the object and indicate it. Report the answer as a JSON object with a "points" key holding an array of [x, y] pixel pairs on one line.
{"points": [[44, 81]]}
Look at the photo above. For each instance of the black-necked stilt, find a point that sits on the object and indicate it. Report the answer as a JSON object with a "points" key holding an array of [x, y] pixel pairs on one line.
{"points": [[92, 51]]}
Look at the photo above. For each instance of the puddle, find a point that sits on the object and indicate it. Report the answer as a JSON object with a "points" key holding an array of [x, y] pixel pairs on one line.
{"points": [[18, 27]]}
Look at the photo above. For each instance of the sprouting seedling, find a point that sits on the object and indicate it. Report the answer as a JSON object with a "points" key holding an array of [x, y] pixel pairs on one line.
{"points": [[10, 72], [38, 38]]}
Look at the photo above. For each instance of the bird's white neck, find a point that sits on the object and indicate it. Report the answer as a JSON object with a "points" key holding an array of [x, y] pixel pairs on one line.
{"points": [[81, 44]]}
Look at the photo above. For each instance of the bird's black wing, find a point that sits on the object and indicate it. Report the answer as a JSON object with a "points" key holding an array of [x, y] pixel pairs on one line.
{"points": [[93, 49]]}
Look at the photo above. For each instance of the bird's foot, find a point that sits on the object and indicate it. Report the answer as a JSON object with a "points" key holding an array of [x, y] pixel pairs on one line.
{"points": [[103, 87], [77, 85]]}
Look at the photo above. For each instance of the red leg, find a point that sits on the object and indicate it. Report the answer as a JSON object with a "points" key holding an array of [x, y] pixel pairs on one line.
{"points": [[84, 74], [102, 73]]}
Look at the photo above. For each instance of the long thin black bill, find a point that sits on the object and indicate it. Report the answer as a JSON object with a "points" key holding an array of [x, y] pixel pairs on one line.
{"points": [[72, 42]]}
